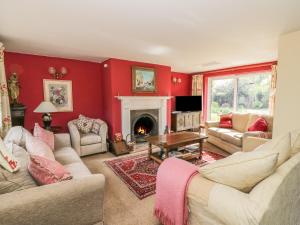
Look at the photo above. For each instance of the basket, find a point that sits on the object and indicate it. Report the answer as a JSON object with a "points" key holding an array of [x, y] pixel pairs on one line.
{"points": [[129, 142]]}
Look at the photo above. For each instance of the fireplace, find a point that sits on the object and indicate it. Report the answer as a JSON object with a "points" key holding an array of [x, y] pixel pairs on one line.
{"points": [[133, 106], [143, 123]]}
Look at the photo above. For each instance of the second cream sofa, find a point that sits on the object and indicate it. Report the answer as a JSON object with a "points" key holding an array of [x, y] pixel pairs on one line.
{"points": [[238, 138]]}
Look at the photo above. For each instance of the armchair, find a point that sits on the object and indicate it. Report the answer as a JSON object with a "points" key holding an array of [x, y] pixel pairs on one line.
{"points": [[86, 144]]}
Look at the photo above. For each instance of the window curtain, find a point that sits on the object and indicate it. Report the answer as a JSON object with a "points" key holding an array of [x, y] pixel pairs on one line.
{"points": [[197, 85], [5, 119], [197, 89], [273, 89]]}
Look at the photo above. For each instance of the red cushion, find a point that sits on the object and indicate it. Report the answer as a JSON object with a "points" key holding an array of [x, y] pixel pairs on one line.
{"points": [[47, 171], [260, 124], [226, 121]]}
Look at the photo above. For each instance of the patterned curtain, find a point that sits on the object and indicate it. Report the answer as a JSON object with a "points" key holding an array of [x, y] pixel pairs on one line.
{"points": [[273, 89], [197, 89], [5, 119], [197, 85]]}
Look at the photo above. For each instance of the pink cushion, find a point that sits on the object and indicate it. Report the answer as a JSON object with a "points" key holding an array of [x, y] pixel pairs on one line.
{"points": [[259, 125], [45, 135], [36, 146], [47, 171]]}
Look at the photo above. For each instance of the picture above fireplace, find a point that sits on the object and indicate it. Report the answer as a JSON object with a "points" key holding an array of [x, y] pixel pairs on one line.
{"points": [[143, 123]]}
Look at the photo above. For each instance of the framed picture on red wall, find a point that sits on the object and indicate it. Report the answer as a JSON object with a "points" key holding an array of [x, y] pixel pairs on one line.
{"points": [[143, 80], [59, 92]]}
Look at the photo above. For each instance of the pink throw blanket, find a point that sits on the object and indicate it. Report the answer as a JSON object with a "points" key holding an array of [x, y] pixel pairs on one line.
{"points": [[172, 180]]}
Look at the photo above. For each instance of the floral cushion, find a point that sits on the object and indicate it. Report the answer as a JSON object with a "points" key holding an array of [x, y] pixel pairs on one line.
{"points": [[84, 124], [7, 160], [96, 128], [19, 180]]}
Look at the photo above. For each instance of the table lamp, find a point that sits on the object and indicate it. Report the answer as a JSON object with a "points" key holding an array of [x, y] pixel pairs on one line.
{"points": [[46, 108]]}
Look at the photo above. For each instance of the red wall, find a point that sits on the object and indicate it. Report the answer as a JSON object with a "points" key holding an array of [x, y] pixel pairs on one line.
{"points": [[180, 89], [86, 82], [118, 81]]}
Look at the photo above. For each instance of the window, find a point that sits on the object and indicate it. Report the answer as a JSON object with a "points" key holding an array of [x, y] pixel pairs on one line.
{"points": [[239, 93]]}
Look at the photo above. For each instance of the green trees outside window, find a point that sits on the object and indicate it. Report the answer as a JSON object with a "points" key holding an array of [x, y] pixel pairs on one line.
{"points": [[246, 93]]}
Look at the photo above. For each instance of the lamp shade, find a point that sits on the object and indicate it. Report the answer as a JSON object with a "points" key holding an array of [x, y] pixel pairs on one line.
{"points": [[45, 107]]}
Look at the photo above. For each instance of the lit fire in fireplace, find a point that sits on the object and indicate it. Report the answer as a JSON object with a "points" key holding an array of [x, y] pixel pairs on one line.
{"points": [[141, 131]]}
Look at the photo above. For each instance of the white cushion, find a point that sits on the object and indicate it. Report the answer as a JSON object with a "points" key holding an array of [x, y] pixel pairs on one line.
{"points": [[36, 146], [281, 145], [242, 170]]}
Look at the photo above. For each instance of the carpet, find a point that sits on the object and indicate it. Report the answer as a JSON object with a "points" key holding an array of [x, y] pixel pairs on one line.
{"points": [[139, 173]]}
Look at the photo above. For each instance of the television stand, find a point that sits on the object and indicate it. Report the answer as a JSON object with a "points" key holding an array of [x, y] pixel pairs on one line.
{"points": [[181, 121]]}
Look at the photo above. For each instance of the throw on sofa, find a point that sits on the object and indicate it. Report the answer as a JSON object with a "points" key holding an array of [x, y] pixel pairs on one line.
{"points": [[78, 201], [89, 143], [238, 138]]}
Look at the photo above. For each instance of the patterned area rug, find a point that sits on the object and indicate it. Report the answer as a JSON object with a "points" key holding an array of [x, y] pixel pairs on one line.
{"points": [[139, 173]]}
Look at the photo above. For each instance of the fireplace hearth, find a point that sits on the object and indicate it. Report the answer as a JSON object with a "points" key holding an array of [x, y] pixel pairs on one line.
{"points": [[144, 123]]}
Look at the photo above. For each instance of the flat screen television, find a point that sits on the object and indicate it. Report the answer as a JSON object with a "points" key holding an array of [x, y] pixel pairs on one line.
{"points": [[188, 103]]}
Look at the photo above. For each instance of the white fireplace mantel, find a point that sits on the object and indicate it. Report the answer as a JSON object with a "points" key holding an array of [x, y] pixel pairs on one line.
{"points": [[129, 103]]}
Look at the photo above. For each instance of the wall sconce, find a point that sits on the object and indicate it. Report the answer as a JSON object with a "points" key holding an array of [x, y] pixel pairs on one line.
{"points": [[176, 80], [57, 74]]}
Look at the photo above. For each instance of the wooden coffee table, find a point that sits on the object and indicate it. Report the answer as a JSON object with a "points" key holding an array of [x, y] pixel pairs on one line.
{"points": [[168, 142]]}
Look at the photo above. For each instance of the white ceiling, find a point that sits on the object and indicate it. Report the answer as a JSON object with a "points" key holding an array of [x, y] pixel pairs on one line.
{"points": [[188, 35]]}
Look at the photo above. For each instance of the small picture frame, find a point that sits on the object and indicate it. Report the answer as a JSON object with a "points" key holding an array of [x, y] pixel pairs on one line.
{"points": [[59, 92], [143, 80]]}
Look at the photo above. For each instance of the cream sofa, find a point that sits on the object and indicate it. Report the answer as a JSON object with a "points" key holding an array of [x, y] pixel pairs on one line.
{"points": [[75, 202], [86, 144], [238, 138], [273, 201]]}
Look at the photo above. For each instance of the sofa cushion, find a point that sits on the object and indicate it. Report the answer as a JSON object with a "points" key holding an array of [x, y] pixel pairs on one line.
{"points": [[36, 146], [260, 124], [240, 121], [47, 171], [77, 170], [96, 127], [66, 155], [226, 121], [281, 145], [254, 117], [242, 170], [232, 137], [216, 131], [89, 139], [17, 135], [19, 180], [7, 160], [84, 124], [45, 135]]}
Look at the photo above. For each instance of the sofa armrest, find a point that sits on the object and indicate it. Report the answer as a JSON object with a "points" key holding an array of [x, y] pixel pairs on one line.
{"points": [[250, 143], [209, 124], [233, 206], [75, 137], [75, 202], [62, 140], [103, 133]]}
